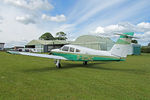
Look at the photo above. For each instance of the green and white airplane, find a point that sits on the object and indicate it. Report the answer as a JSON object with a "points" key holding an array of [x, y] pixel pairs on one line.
{"points": [[78, 53]]}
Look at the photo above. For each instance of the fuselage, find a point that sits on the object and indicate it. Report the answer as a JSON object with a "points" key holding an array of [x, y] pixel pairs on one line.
{"points": [[79, 53]]}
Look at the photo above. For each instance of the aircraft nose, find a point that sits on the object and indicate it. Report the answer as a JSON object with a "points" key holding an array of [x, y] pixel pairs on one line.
{"points": [[51, 52], [54, 50]]}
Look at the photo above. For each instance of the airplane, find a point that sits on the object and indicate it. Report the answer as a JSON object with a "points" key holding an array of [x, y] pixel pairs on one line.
{"points": [[78, 53]]}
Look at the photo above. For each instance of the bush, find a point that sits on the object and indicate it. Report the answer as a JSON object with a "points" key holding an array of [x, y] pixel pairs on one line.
{"points": [[145, 49]]}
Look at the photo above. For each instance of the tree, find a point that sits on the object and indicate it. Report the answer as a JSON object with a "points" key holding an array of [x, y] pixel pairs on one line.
{"points": [[134, 41], [60, 36], [148, 44], [46, 36]]}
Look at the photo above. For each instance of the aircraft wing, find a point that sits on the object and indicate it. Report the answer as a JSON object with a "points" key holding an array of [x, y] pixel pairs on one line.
{"points": [[37, 55]]}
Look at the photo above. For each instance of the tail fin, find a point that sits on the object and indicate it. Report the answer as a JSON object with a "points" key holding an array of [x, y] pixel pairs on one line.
{"points": [[121, 47]]}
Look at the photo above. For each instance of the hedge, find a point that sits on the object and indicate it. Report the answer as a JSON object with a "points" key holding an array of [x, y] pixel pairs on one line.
{"points": [[145, 49]]}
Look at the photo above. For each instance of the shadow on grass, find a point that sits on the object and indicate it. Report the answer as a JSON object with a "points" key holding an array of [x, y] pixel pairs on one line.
{"points": [[65, 66], [100, 67], [45, 69], [89, 66]]}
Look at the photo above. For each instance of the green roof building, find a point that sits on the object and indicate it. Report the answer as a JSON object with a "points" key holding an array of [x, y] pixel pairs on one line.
{"points": [[45, 45]]}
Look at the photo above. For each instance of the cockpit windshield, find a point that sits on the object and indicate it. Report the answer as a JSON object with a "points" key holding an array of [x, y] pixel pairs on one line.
{"points": [[65, 48], [69, 49]]}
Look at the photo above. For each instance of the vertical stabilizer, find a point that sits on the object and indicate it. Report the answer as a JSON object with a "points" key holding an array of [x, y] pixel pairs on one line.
{"points": [[120, 49]]}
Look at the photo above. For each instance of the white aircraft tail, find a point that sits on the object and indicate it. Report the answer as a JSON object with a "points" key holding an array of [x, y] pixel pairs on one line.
{"points": [[120, 49]]}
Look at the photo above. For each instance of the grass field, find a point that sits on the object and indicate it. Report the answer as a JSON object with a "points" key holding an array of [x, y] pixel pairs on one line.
{"points": [[32, 78]]}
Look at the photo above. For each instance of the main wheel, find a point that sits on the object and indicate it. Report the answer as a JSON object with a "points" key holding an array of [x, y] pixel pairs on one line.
{"points": [[84, 62], [59, 65]]}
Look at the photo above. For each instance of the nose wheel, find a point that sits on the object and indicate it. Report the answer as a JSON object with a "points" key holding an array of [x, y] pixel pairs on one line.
{"points": [[57, 62]]}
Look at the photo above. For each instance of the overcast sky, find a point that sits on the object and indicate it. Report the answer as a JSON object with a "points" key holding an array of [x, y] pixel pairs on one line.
{"points": [[25, 20]]}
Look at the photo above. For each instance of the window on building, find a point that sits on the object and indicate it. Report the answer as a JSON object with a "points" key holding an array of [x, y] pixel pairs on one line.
{"points": [[77, 50], [65, 48], [71, 49]]}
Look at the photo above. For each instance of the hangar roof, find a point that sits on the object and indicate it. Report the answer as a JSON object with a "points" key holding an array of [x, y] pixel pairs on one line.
{"points": [[94, 42], [92, 38], [47, 42]]}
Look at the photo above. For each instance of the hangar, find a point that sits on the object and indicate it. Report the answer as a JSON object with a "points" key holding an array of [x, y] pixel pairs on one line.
{"points": [[94, 42], [45, 45]]}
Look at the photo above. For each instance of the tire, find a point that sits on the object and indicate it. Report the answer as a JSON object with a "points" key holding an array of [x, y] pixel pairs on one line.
{"points": [[58, 66], [84, 62]]}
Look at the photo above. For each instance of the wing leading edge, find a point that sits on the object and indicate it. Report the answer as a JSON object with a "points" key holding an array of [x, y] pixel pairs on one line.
{"points": [[38, 55]]}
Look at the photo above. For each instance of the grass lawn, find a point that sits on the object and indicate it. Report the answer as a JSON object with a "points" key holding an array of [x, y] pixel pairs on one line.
{"points": [[33, 78]]}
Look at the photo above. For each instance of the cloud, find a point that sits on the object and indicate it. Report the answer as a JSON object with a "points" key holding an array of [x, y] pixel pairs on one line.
{"points": [[15, 43], [58, 18], [1, 19], [123, 27], [30, 9], [14, 31], [142, 30], [143, 27], [114, 28], [99, 30], [27, 19], [30, 4], [107, 30], [33, 9], [144, 38]]}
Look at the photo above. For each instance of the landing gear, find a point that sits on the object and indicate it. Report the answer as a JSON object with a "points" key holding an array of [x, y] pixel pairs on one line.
{"points": [[84, 62], [57, 62]]}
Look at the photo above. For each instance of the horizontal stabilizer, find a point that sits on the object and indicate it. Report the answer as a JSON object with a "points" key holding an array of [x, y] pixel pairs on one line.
{"points": [[127, 36]]}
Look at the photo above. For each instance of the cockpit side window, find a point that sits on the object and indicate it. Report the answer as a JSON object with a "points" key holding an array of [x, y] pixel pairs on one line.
{"points": [[71, 49], [77, 50], [65, 48]]}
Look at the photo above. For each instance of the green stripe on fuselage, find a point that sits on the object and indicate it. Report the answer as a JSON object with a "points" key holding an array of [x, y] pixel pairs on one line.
{"points": [[85, 57]]}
